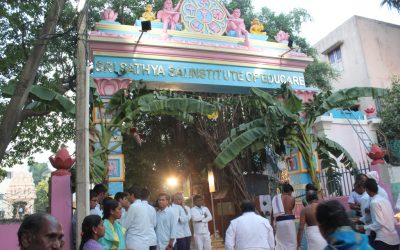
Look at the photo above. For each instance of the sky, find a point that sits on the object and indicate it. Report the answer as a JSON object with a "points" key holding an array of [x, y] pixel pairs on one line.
{"points": [[329, 14], [326, 15]]}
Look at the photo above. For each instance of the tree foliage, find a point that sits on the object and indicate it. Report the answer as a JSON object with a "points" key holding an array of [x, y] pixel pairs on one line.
{"points": [[170, 147], [126, 109], [395, 4], [40, 171], [39, 127], [281, 118], [390, 113], [41, 203], [317, 74]]}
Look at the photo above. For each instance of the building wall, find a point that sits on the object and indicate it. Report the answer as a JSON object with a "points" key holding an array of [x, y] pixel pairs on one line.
{"points": [[354, 66], [339, 130], [370, 52], [8, 236], [380, 43]]}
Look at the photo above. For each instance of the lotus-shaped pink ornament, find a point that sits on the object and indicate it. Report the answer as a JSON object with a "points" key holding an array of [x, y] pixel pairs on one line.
{"points": [[376, 154], [62, 162], [370, 111], [282, 36], [108, 15]]}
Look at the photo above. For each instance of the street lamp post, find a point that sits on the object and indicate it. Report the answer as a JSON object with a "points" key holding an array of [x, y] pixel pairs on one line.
{"points": [[211, 186]]}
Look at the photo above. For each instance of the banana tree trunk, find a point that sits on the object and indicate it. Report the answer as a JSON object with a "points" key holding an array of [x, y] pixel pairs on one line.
{"points": [[307, 150]]}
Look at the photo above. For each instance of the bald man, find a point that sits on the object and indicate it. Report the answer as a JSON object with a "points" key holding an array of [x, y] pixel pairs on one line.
{"points": [[40, 231]]}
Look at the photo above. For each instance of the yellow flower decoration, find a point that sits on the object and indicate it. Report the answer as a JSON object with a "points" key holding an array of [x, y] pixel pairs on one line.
{"points": [[213, 116]]}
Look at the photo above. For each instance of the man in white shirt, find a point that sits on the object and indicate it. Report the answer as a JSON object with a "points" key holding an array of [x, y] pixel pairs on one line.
{"points": [[182, 217], [101, 191], [355, 198], [122, 198], [375, 176], [365, 218], [137, 222], [93, 203], [152, 238], [187, 231], [249, 231], [165, 229], [200, 218], [382, 216]]}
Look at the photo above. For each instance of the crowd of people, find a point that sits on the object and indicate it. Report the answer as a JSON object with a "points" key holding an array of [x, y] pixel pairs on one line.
{"points": [[326, 224], [130, 221]]}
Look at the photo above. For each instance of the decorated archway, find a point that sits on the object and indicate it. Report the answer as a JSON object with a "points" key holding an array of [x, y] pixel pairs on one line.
{"points": [[192, 55]]}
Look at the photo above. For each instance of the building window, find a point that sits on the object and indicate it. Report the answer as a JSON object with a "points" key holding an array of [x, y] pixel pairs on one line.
{"points": [[335, 59]]}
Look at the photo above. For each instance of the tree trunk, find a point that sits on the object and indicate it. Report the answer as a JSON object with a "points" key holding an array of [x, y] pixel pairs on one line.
{"points": [[12, 114], [234, 170]]}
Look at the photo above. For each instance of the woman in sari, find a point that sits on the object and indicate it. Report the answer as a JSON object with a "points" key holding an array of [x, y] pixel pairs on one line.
{"points": [[114, 237]]}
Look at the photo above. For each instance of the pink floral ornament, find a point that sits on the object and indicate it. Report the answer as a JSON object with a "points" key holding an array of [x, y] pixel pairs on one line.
{"points": [[376, 154], [108, 15], [370, 111], [62, 162], [282, 36]]}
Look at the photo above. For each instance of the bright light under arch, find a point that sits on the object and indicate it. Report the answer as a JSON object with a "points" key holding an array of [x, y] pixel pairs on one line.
{"points": [[172, 181]]}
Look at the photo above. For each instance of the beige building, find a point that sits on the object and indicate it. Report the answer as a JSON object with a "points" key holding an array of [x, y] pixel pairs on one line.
{"points": [[17, 194], [366, 52]]}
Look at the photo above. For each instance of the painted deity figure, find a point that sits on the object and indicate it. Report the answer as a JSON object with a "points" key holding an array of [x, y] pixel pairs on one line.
{"points": [[257, 27], [169, 15], [148, 14], [235, 23]]}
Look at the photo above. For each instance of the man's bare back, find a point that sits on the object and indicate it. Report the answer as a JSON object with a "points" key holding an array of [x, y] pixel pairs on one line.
{"points": [[310, 214], [288, 203]]}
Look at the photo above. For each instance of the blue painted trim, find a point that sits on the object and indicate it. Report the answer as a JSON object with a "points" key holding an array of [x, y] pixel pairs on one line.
{"points": [[345, 114], [156, 25], [115, 187], [198, 77], [258, 37], [109, 22]]}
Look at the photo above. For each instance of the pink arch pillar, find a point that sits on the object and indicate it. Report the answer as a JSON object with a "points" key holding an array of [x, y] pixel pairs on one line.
{"points": [[61, 196]]}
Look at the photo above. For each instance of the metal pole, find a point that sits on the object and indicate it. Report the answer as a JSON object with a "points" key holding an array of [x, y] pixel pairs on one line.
{"points": [[213, 214], [82, 124]]}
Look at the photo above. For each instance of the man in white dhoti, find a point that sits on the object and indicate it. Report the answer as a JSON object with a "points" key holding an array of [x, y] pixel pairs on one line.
{"points": [[282, 213], [308, 216], [249, 231]]}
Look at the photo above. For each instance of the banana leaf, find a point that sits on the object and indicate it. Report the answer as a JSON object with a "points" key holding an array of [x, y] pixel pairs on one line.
{"points": [[336, 150], [54, 100], [234, 148]]}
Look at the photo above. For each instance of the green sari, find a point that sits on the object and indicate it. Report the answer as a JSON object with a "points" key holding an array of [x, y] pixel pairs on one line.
{"points": [[114, 237]]}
